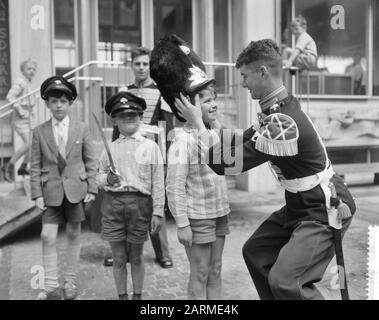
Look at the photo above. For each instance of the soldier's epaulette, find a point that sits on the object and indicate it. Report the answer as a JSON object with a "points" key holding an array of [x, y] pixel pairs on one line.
{"points": [[277, 136]]}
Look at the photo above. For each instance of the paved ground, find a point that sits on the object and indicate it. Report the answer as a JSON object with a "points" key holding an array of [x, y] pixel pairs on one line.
{"points": [[20, 253]]}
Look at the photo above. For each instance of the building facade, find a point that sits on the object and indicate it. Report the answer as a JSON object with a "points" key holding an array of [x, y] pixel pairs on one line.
{"points": [[64, 34]]}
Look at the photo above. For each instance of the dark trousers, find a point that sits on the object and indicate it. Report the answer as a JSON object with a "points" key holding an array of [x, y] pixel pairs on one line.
{"points": [[285, 263]]}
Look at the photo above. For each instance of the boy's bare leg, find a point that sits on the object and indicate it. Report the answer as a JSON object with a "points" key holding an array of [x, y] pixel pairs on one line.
{"points": [[214, 285], [73, 230], [119, 265], [137, 266], [199, 257], [50, 256]]}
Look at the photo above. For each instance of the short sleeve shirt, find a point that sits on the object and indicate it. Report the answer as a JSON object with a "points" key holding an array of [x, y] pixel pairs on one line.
{"points": [[306, 44]]}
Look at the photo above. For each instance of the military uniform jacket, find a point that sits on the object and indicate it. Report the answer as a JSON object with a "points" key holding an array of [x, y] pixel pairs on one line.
{"points": [[308, 158]]}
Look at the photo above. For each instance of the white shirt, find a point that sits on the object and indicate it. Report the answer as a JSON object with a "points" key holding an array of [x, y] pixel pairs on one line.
{"points": [[140, 164], [306, 44], [64, 126]]}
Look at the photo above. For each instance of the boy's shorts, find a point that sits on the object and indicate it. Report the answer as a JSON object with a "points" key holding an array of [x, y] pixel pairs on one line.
{"points": [[207, 230], [66, 212], [126, 217]]}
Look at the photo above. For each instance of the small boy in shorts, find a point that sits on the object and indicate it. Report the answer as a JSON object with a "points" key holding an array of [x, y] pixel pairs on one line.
{"points": [[63, 178], [197, 198], [134, 191]]}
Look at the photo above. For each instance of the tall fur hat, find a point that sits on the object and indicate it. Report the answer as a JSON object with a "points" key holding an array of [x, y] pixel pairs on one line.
{"points": [[176, 68]]}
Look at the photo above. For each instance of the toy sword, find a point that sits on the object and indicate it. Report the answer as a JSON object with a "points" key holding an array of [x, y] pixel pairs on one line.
{"points": [[112, 166]]}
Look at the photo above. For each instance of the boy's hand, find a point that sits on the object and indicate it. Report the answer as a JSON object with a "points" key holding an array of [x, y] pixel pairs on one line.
{"points": [[89, 198], [22, 113], [185, 236], [40, 204], [156, 224], [113, 179]]}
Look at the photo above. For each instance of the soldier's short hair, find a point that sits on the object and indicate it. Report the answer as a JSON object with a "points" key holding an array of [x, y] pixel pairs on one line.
{"points": [[140, 51], [265, 51]]}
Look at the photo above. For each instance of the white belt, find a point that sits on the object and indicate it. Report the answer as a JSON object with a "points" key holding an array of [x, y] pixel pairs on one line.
{"points": [[308, 183]]}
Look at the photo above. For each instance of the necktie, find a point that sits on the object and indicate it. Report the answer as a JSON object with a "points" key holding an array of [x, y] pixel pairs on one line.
{"points": [[61, 141]]}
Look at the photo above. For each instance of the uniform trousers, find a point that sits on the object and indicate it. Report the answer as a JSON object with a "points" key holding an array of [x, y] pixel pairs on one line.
{"points": [[286, 262]]}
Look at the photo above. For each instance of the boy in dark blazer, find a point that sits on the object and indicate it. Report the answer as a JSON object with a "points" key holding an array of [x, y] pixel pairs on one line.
{"points": [[63, 178]]}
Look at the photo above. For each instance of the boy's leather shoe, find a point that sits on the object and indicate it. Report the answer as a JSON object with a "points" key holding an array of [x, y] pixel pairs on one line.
{"points": [[137, 296], [165, 263], [50, 295], [23, 170], [70, 290], [8, 172], [123, 296], [108, 261]]}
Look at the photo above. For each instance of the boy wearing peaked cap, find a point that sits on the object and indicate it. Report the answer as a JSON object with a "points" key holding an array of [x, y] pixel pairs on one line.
{"points": [[156, 113], [290, 251], [134, 191], [63, 178]]}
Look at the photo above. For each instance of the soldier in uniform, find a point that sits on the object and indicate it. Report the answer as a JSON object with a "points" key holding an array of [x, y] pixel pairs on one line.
{"points": [[291, 250]]}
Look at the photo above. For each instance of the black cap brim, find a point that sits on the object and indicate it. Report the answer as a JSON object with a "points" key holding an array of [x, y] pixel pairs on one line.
{"points": [[59, 88]]}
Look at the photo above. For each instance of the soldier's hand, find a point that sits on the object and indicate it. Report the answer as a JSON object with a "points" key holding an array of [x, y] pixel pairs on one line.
{"points": [[40, 204], [192, 113], [156, 224], [185, 236]]}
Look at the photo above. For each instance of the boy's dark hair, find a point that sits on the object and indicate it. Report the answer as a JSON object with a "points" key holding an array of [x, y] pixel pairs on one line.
{"points": [[57, 94], [265, 51], [211, 88], [140, 51]]}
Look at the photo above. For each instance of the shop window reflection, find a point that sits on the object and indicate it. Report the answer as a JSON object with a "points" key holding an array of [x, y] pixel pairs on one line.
{"points": [[119, 28]]}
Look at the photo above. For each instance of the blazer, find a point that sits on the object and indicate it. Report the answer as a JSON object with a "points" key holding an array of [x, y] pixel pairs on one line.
{"points": [[78, 176]]}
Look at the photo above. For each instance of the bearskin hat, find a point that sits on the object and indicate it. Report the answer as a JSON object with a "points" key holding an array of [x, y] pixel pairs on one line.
{"points": [[176, 68]]}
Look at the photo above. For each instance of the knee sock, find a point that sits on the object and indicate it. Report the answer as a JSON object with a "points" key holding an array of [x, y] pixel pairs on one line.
{"points": [[50, 265], [72, 260]]}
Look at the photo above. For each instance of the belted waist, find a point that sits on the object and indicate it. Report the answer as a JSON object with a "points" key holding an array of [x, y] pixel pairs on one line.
{"points": [[123, 190], [307, 183]]}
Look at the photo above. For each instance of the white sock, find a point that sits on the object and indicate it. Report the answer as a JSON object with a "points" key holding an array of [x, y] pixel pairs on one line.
{"points": [[72, 260], [50, 265]]}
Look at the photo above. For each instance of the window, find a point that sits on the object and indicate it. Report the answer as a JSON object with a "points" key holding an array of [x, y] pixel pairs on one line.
{"points": [[221, 43], [173, 17], [376, 48], [64, 42], [119, 28], [339, 28]]}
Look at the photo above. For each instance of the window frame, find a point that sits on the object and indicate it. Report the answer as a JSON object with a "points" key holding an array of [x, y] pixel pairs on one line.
{"points": [[369, 55]]}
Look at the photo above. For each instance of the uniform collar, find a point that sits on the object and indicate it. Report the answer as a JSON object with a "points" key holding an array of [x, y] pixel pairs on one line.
{"points": [[65, 122], [272, 98]]}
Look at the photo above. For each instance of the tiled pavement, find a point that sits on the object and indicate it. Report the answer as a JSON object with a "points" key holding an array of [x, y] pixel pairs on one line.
{"points": [[19, 254]]}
